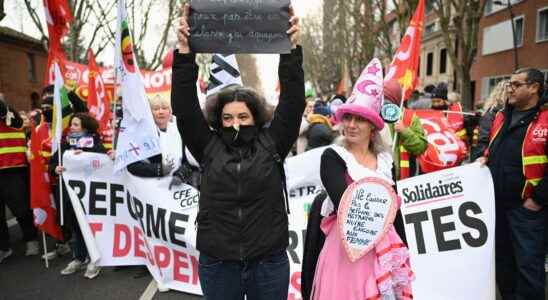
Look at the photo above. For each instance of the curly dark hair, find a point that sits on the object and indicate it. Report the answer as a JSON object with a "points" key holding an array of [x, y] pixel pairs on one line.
{"points": [[89, 124], [255, 102]]}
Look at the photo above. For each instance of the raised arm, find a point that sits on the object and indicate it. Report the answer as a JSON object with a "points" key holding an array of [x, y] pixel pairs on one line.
{"points": [[184, 95], [285, 125]]}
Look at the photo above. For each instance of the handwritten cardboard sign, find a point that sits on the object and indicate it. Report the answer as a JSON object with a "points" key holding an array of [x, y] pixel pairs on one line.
{"points": [[366, 210], [239, 26]]}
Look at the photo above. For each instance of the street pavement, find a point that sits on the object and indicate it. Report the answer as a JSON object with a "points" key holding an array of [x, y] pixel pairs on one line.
{"points": [[26, 278]]}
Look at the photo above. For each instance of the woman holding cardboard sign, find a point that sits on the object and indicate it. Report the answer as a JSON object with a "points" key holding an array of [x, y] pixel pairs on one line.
{"points": [[242, 220], [363, 257]]}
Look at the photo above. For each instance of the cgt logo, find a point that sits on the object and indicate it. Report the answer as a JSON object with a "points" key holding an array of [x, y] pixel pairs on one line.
{"points": [[540, 133]]}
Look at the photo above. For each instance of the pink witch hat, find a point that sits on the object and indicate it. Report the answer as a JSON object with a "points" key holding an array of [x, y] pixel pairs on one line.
{"points": [[366, 98]]}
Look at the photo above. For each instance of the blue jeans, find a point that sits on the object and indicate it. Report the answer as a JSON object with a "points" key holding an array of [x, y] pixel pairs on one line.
{"points": [[266, 279], [520, 252]]}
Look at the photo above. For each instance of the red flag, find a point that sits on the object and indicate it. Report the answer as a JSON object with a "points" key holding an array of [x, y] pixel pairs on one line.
{"points": [[98, 103], [405, 65], [445, 149], [41, 199], [168, 60], [58, 18]]}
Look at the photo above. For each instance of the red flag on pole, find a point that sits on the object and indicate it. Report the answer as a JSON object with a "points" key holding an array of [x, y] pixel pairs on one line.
{"points": [[405, 65], [58, 18], [41, 199], [98, 103]]}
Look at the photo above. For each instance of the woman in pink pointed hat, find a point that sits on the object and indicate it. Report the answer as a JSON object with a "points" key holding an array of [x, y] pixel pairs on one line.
{"points": [[383, 272]]}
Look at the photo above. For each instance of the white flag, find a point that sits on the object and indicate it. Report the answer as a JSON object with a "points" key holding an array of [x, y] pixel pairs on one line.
{"points": [[138, 137], [57, 122], [224, 71]]}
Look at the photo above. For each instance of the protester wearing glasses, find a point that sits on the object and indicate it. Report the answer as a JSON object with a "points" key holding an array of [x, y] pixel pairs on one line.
{"points": [[242, 220], [518, 162]]}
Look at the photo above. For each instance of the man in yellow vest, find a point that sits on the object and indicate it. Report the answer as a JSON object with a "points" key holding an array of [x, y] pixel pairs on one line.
{"points": [[14, 180], [517, 159]]}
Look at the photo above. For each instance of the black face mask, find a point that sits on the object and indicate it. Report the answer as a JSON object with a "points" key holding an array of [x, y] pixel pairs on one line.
{"points": [[48, 115], [233, 137]]}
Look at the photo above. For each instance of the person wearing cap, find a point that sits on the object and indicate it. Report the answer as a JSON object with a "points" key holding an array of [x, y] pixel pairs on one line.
{"points": [[14, 178], [242, 219], [320, 132], [411, 141], [361, 154]]}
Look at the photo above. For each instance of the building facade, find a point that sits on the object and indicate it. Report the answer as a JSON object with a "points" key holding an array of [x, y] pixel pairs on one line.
{"points": [[23, 62], [435, 65], [496, 59]]}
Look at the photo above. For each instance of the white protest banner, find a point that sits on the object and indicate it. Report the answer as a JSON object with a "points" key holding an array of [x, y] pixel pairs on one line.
{"points": [[449, 219], [303, 184], [156, 228], [136, 221]]}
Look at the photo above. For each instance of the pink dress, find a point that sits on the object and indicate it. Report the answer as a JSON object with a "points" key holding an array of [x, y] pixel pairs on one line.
{"points": [[383, 273]]}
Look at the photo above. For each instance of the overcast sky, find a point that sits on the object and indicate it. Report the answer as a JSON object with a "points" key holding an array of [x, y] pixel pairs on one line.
{"points": [[17, 18]]}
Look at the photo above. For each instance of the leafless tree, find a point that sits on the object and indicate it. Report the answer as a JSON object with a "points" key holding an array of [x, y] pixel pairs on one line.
{"points": [[345, 36], [459, 22], [248, 69], [95, 22], [2, 11]]}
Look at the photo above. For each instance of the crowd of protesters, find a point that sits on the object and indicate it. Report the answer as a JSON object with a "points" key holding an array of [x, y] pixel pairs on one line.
{"points": [[498, 136], [225, 153]]}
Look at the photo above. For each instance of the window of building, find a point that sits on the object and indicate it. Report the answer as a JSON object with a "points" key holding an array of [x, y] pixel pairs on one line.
{"points": [[542, 25], [429, 6], [31, 67], [430, 28], [429, 63], [518, 26], [443, 61], [491, 8], [492, 41]]}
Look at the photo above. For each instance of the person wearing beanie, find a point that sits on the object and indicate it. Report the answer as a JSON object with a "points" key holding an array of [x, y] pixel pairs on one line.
{"points": [[439, 97], [320, 132], [429, 89], [454, 117], [411, 141]]}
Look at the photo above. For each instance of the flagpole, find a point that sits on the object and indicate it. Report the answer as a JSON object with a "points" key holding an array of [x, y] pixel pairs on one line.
{"points": [[114, 114], [401, 117], [59, 158], [459, 112], [45, 249]]}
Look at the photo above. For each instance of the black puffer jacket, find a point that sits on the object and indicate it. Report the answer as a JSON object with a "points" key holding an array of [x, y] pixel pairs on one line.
{"points": [[242, 213]]}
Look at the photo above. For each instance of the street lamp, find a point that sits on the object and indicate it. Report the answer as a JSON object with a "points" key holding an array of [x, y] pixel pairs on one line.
{"points": [[509, 7]]}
